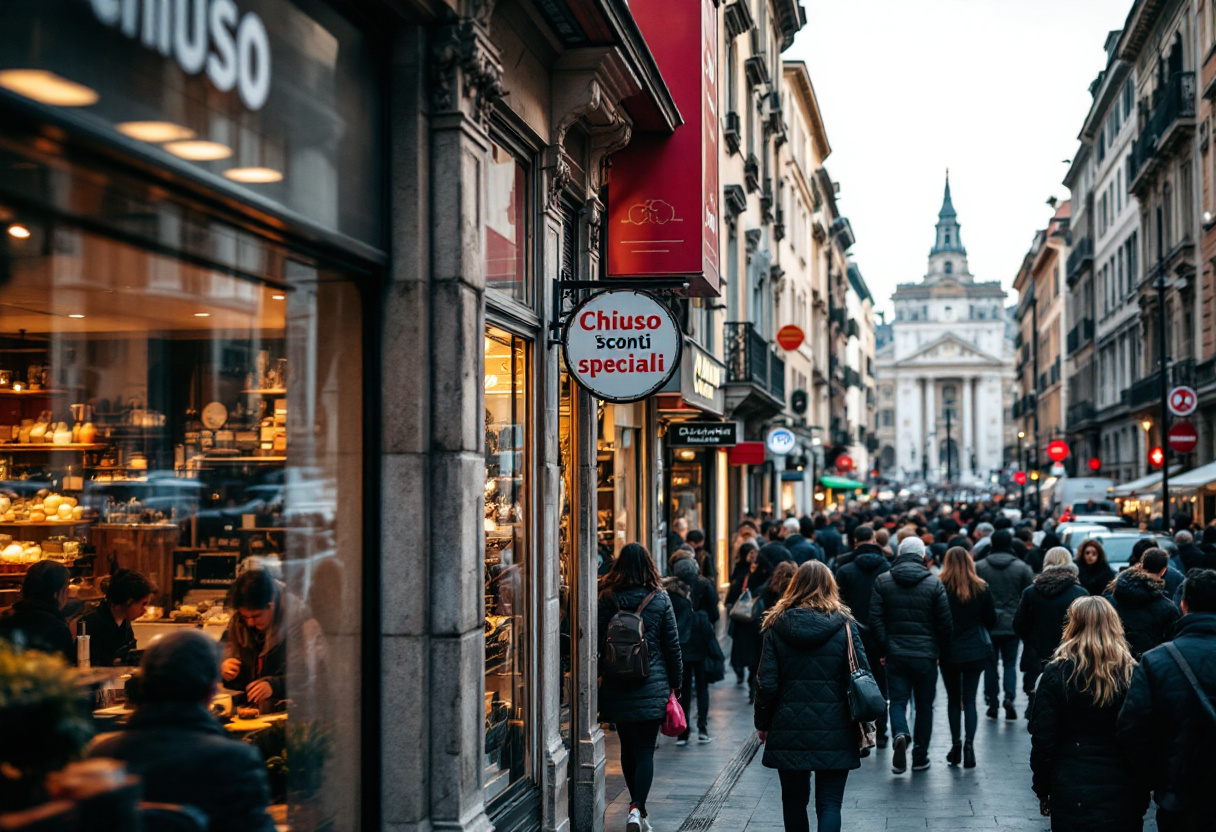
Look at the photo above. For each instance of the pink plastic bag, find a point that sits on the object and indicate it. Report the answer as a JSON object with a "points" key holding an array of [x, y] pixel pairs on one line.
{"points": [[675, 723]]}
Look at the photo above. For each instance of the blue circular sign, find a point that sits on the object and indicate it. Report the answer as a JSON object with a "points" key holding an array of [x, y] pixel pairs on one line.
{"points": [[781, 441]]}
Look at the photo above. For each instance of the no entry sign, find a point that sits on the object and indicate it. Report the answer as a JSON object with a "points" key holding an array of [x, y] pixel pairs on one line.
{"points": [[1183, 400], [622, 345], [1182, 438], [790, 337]]}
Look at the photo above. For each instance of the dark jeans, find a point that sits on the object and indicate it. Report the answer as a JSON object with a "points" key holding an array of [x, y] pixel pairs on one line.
{"points": [[702, 687], [796, 794], [912, 679], [962, 682], [637, 758], [1004, 650]]}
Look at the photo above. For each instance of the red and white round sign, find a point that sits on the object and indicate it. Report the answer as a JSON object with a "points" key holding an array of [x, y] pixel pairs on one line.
{"points": [[1182, 438], [1183, 400], [622, 345]]}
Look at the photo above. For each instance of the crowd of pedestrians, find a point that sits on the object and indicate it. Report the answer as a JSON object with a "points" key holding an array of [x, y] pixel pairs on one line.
{"points": [[1117, 667]]}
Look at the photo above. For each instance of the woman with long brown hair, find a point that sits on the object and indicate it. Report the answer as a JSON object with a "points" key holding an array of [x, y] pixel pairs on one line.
{"points": [[802, 709], [1078, 773], [1093, 572], [974, 613]]}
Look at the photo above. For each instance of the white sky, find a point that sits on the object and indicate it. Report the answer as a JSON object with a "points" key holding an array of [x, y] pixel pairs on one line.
{"points": [[995, 90]]}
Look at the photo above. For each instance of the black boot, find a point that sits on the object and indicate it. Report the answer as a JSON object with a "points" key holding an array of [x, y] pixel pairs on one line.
{"points": [[992, 711], [968, 755], [956, 753]]}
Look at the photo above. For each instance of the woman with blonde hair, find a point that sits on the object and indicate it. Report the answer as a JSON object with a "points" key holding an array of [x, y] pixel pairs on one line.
{"points": [[802, 708], [974, 613], [1078, 773]]}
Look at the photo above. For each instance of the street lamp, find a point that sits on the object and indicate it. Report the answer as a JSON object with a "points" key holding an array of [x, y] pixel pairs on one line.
{"points": [[1147, 424], [1022, 467]]}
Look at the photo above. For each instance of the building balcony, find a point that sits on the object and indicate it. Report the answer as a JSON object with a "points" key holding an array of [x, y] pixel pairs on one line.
{"points": [[731, 133], [1205, 373], [1147, 391], [757, 71], [1080, 335], [1171, 122], [735, 200], [755, 374], [1080, 415], [851, 329], [852, 378], [1080, 258], [751, 173]]}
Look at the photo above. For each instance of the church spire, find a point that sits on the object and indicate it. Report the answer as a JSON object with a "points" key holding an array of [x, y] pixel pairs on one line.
{"points": [[948, 235], [947, 204]]}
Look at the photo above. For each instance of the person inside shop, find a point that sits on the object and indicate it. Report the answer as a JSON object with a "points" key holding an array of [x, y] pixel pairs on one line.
{"points": [[266, 618], [178, 749], [36, 621], [111, 637]]}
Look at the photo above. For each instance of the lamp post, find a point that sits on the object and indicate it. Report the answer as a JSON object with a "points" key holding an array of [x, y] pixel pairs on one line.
{"points": [[949, 455], [1022, 467], [1034, 328], [1165, 394]]}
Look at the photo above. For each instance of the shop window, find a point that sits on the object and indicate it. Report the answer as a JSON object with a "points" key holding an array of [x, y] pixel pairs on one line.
{"points": [[507, 234], [204, 428], [507, 544], [617, 494]]}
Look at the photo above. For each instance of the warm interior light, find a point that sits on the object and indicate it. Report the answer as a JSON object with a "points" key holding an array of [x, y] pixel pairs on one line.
{"points": [[18, 387], [278, 297], [687, 455], [254, 176], [76, 316], [202, 314], [47, 88], [1021, 434], [1146, 424], [197, 150], [19, 231], [154, 131]]}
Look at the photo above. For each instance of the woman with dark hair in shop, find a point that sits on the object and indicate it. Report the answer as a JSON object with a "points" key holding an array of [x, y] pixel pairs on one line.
{"points": [[638, 707], [111, 636], [36, 621], [1093, 571]]}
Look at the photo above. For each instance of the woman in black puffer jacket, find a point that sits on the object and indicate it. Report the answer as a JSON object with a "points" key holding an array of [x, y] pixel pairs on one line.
{"points": [[802, 709], [1080, 778], [638, 708], [1039, 620], [973, 613]]}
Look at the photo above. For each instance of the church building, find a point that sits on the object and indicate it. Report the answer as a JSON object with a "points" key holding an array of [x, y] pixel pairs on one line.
{"points": [[942, 377]]}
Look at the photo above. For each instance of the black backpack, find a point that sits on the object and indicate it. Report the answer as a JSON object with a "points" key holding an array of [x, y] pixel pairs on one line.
{"points": [[626, 658]]}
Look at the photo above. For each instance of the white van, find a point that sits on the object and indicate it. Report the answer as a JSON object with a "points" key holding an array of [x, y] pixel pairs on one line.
{"points": [[1072, 495]]}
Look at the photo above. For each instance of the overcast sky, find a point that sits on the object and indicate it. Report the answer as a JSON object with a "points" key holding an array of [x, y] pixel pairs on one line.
{"points": [[996, 90]]}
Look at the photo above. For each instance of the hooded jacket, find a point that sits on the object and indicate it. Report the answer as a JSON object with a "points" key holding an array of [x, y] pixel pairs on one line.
{"points": [[802, 695], [1039, 621], [622, 701], [855, 580], [1007, 579], [1148, 616], [1095, 579], [801, 549], [1163, 727], [909, 611], [695, 604]]}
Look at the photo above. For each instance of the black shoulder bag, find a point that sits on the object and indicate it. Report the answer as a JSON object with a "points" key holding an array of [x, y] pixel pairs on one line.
{"points": [[1185, 667]]}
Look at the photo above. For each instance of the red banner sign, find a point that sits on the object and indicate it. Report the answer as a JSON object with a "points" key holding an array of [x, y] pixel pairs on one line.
{"points": [[663, 193], [746, 453]]}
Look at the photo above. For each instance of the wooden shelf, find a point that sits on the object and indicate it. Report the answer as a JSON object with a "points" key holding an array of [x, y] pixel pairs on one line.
{"points": [[44, 524], [236, 460], [30, 447], [8, 391], [266, 391]]}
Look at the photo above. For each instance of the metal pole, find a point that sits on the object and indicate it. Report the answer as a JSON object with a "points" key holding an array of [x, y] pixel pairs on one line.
{"points": [[1165, 405], [1038, 483], [1022, 468], [949, 461]]}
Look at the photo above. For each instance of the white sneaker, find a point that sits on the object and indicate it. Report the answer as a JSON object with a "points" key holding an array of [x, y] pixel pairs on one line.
{"points": [[646, 827], [704, 737], [634, 824]]}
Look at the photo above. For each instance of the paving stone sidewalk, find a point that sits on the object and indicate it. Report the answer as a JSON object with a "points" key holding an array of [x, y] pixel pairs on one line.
{"points": [[994, 796]]}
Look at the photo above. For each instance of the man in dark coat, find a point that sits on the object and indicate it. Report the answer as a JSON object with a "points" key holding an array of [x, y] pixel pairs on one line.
{"points": [[1039, 621], [1034, 555], [36, 621], [1164, 728], [855, 580], [775, 553], [800, 542], [1189, 555], [828, 537], [706, 561], [1007, 578], [911, 622], [1148, 615], [176, 747]]}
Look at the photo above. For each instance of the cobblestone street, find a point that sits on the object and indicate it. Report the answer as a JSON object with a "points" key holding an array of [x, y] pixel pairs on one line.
{"points": [[695, 788]]}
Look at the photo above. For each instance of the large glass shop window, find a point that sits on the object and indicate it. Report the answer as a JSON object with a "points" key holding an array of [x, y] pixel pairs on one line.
{"points": [[202, 427], [506, 560], [506, 230]]}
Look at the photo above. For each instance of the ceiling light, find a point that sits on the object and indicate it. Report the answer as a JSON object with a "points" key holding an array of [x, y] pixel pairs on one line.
{"points": [[278, 297], [47, 88], [202, 314], [76, 316], [196, 150], [254, 176], [154, 131], [19, 231]]}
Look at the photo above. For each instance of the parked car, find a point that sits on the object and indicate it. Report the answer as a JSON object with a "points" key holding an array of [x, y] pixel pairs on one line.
{"points": [[1071, 534]]}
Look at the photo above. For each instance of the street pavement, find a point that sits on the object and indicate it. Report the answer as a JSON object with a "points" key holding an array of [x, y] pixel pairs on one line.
{"points": [[712, 788]]}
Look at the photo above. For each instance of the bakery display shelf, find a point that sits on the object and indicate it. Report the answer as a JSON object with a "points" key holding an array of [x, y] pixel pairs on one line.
{"points": [[43, 524], [30, 447], [265, 391], [8, 391], [236, 460]]}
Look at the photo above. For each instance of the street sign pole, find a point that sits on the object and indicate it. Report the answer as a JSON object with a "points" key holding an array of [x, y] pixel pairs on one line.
{"points": [[1165, 394]]}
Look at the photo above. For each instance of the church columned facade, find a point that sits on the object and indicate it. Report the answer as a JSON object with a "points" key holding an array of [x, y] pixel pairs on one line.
{"points": [[943, 376]]}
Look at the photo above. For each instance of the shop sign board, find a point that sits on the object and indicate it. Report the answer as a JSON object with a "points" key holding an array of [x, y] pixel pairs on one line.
{"points": [[663, 213], [790, 337], [1182, 438], [781, 441], [622, 345], [701, 382], [746, 453], [703, 434], [1183, 400]]}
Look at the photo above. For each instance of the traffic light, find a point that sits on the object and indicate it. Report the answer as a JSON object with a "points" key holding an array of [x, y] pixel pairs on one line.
{"points": [[1156, 456], [798, 402], [1019, 477]]}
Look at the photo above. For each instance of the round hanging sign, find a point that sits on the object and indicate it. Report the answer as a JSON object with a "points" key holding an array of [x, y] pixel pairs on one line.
{"points": [[1057, 450], [1183, 400], [1182, 438], [622, 345], [781, 441], [790, 337]]}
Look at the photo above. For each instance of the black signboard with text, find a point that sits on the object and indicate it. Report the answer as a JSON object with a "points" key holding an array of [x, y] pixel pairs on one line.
{"points": [[703, 434]]}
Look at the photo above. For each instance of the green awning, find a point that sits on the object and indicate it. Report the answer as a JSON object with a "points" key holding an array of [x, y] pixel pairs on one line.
{"points": [[841, 483]]}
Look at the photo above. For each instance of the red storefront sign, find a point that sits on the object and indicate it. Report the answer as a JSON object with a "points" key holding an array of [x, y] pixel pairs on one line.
{"points": [[663, 193], [746, 453]]}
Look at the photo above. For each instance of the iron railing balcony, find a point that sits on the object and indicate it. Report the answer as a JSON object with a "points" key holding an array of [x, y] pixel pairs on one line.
{"points": [[1147, 391], [1173, 116], [1082, 255], [750, 360], [1079, 413]]}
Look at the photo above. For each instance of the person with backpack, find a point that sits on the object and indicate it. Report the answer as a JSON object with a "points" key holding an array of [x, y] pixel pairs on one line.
{"points": [[1168, 721], [696, 609], [802, 707], [640, 667]]}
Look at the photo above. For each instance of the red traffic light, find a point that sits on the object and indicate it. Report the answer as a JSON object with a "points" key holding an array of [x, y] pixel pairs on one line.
{"points": [[1019, 477], [1057, 450], [844, 463], [1156, 457], [1095, 464]]}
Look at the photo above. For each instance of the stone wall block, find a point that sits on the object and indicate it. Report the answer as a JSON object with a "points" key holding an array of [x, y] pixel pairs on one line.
{"points": [[457, 544], [405, 385], [457, 714], [404, 547], [457, 353], [405, 726]]}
